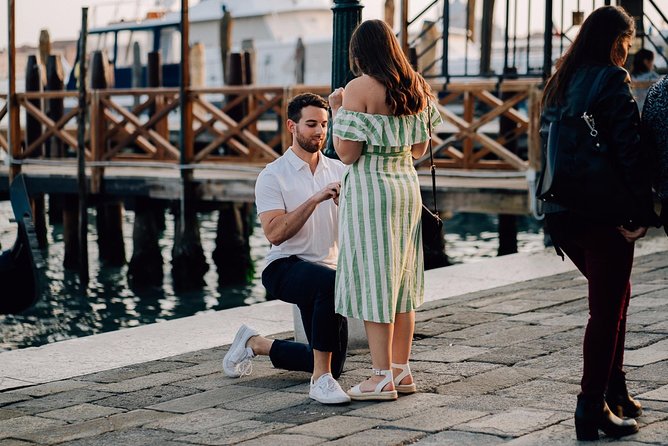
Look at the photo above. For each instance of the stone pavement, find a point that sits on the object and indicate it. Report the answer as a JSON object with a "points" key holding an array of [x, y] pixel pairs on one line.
{"points": [[499, 366]]}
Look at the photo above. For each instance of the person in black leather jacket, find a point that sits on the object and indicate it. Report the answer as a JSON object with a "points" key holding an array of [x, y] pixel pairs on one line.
{"points": [[600, 248], [655, 137]]}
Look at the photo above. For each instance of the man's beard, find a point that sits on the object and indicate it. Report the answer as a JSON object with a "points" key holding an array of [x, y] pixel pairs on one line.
{"points": [[308, 144]]}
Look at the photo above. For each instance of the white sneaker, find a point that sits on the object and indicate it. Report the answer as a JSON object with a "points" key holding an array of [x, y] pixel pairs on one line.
{"points": [[327, 391], [237, 361]]}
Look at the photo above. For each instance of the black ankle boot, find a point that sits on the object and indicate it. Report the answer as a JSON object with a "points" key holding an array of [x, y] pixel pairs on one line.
{"points": [[592, 414], [620, 402]]}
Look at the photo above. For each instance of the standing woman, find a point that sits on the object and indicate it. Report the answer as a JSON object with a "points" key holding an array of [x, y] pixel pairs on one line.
{"points": [[600, 247], [381, 123]]}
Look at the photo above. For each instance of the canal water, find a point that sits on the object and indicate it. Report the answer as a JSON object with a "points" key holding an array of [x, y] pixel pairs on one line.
{"points": [[108, 303]]}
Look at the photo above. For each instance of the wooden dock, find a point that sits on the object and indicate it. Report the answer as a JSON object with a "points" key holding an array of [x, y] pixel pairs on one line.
{"points": [[457, 191]]}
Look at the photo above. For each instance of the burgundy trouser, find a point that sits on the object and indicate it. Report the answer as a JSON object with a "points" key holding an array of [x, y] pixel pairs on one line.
{"points": [[605, 258]]}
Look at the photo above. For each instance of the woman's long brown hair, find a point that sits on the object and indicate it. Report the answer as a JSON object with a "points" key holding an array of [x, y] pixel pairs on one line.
{"points": [[375, 51], [597, 43]]}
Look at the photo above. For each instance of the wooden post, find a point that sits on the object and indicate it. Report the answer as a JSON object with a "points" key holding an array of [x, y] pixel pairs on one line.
{"points": [[81, 154], [300, 61], [389, 13], [137, 80], [14, 125], [188, 261], [33, 80], [508, 223], [235, 76], [44, 47], [225, 40], [249, 79], [403, 33], [232, 254], [486, 31], [109, 213], [197, 72], [55, 109], [146, 265]]}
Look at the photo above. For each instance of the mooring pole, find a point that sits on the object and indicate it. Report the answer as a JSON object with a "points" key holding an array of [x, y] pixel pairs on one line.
{"points": [[81, 153], [347, 15], [547, 42], [14, 130], [185, 135], [188, 260]]}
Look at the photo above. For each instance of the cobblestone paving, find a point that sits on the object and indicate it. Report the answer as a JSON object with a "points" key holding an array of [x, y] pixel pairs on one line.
{"points": [[495, 367]]}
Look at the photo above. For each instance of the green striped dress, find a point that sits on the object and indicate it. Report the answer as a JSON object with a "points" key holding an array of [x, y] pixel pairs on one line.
{"points": [[380, 267]]}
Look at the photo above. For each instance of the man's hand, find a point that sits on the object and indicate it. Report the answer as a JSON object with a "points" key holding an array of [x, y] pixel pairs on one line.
{"points": [[332, 191], [279, 226], [632, 235]]}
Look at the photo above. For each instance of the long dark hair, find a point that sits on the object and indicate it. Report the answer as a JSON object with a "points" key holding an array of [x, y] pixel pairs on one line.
{"points": [[375, 51], [597, 43]]}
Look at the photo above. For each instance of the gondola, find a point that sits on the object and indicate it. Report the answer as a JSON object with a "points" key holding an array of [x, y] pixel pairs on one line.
{"points": [[22, 266]]}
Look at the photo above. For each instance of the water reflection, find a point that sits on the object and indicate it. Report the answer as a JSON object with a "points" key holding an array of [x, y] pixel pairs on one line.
{"points": [[109, 303]]}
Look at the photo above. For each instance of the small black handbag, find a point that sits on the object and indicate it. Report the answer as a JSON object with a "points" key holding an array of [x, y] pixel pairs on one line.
{"points": [[579, 172]]}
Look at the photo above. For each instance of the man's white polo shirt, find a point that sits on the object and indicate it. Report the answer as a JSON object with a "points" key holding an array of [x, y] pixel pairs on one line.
{"points": [[286, 184]]}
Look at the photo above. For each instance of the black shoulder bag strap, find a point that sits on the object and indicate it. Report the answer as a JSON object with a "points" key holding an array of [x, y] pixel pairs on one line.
{"points": [[432, 167]]}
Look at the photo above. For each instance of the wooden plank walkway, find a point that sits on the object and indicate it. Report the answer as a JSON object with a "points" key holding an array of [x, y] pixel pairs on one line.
{"points": [[457, 191]]}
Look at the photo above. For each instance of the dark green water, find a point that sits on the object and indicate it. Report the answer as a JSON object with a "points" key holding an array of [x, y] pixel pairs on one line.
{"points": [[108, 303]]}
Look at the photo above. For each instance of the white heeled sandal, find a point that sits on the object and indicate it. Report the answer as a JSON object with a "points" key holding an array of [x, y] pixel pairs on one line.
{"points": [[405, 371], [378, 394]]}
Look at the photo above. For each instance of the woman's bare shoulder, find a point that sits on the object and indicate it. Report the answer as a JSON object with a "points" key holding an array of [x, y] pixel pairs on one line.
{"points": [[358, 94], [365, 94]]}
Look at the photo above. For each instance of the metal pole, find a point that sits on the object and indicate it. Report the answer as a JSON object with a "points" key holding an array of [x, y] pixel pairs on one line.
{"points": [[81, 153], [547, 42], [347, 14]]}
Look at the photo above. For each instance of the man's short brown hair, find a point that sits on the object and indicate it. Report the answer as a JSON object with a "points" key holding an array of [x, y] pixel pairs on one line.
{"points": [[302, 100]]}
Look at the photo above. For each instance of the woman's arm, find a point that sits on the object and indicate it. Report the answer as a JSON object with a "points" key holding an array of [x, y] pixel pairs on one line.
{"points": [[419, 149], [352, 99], [621, 124]]}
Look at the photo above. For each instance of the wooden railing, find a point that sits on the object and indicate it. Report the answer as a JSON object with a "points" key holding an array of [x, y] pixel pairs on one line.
{"points": [[245, 124], [143, 124], [474, 137]]}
